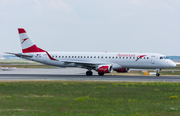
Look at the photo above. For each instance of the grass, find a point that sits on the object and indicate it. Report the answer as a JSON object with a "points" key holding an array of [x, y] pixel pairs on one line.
{"points": [[53, 98], [175, 68], [20, 63], [29, 66], [175, 73]]}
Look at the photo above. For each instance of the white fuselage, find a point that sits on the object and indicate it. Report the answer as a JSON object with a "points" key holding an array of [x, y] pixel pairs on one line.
{"points": [[117, 60]]}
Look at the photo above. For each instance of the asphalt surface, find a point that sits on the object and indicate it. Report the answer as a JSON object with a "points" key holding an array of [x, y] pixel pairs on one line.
{"points": [[74, 74]]}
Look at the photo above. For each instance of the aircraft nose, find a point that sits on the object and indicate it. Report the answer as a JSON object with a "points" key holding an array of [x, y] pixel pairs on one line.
{"points": [[172, 64]]}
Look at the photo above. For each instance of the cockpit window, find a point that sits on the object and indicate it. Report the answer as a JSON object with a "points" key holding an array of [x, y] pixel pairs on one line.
{"points": [[163, 57]]}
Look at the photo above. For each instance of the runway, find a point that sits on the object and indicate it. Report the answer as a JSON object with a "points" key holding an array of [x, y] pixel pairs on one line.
{"points": [[74, 74]]}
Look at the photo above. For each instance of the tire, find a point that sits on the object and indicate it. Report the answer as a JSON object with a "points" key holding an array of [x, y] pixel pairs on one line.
{"points": [[157, 74], [89, 73], [101, 74]]}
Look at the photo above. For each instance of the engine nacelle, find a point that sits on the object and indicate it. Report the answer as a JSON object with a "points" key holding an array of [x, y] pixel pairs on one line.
{"points": [[104, 69], [122, 70]]}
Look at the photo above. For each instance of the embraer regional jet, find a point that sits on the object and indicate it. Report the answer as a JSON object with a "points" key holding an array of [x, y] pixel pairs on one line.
{"points": [[100, 62]]}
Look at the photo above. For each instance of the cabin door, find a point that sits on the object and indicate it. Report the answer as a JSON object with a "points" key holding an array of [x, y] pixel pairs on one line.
{"points": [[153, 59]]}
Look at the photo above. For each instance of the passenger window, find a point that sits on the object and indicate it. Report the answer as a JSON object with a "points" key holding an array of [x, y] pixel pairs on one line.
{"points": [[91, 56], [87, 56], [98, 56], [84, 56], [116, 57], [147, 57], [101, 56], [126, 57], [112, 57], [109, 57], [144, 58], [62, 56], [94, 56]]}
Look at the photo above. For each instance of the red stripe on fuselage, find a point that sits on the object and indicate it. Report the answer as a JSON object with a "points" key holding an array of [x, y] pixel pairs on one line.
{"points": [[50, 56], [21, 30]]}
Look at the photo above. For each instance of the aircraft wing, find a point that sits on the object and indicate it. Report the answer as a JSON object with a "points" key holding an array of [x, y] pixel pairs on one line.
{"points": [[82, 62], [19, 54]]}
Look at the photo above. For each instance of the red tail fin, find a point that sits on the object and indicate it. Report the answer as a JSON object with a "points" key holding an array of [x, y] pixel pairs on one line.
{"points": [[28, 46]]}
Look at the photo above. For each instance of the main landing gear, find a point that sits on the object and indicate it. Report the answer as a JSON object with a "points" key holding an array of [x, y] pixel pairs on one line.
{"points": [[101, 74], [89, 73], [157, 72]]}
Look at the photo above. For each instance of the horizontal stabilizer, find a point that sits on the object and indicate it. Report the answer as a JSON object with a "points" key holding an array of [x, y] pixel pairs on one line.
{"points": [[19, 54]]}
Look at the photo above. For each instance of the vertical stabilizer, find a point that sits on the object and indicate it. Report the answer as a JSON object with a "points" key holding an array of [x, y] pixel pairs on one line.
{"points": [[28, 46]]}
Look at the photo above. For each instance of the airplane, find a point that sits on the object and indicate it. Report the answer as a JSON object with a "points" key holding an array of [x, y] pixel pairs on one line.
{"points": [[102, 62]]}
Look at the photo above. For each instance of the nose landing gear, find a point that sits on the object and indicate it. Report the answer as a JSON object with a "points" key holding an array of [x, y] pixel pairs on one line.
{"points": [[157, 72]]}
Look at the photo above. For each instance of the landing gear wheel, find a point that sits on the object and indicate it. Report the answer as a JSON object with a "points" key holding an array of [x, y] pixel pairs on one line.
{"points": [[101, 74], [157, 74], [89, 73]]}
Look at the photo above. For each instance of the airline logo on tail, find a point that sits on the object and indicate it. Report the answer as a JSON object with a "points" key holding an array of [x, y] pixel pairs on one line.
{"points": [[29, 46], [24, 40]]}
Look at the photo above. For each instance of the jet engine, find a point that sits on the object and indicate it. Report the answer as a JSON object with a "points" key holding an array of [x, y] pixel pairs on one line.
{"points": [[122, 70], [104, 69]]}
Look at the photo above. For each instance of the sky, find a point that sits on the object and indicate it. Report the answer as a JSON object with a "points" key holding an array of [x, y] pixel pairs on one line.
{"points": [[151, 26]]}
